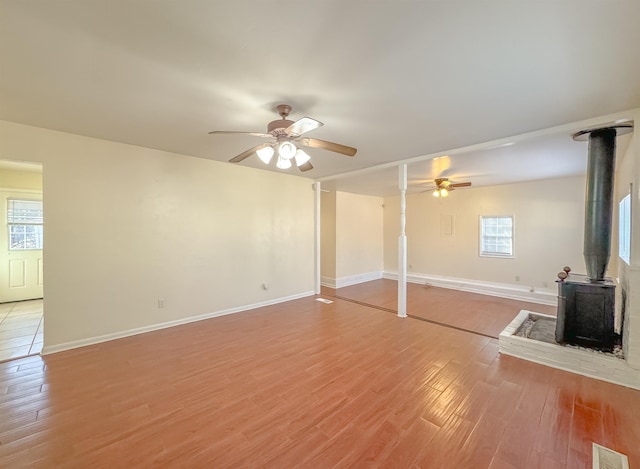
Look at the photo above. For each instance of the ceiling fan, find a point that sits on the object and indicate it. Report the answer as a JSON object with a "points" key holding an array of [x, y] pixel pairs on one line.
{"points": [[444, 186], [286, 138]]}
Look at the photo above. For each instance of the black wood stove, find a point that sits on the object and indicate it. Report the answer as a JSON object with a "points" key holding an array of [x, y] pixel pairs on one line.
{"points": [[586, 303], [586, 312]]}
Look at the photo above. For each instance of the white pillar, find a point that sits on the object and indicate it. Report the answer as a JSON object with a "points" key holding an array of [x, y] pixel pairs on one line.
{"points": [[402, 243], [316, 249]]}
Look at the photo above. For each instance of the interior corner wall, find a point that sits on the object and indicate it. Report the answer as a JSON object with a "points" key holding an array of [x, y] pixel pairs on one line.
{"points": [[328, 237], [359, 241], [351, 238], [628, 176], [549, 227], [126, 226]]}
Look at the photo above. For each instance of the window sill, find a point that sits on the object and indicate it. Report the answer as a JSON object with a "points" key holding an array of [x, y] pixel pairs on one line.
{"points": [[498, 256]]}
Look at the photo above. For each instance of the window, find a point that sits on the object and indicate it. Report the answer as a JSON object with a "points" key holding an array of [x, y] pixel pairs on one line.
{"points": [[624, 229], [496, 236], [24, 218]]}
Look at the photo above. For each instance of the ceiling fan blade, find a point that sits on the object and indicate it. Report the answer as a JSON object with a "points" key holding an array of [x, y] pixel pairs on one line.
{"points": [[248, 153], [303, 125], [305, 167], [238, 132], [461, 184], [331, 146]]}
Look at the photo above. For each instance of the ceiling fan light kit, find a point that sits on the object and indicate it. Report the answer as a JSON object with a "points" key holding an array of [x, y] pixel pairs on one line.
{"points": [[283, 163], [287, 150], [265, 154], [287, 134], [301, 157], [441, 193], [444, 186]]}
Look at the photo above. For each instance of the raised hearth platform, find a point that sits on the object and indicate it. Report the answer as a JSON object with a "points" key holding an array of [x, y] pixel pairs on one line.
{"points": [[587, 362]]}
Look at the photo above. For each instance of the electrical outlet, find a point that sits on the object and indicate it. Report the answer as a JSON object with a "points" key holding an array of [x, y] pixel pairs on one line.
{"points": [[161, 302], [545, 284], [517, 278]]}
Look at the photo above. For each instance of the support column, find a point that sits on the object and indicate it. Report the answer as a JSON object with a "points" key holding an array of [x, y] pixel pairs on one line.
{"points": [[402, 243], [316, 248]]}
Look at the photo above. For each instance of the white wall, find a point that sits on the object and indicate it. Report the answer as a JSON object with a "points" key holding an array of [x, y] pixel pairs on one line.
{"points": [[549, 230], [359, 243], [328, 236], [26, 180], [126, 226], [352, 242], [628, 173]]}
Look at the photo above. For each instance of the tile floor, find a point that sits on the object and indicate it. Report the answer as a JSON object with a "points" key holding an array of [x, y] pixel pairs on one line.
{"points": [[20, 329]]}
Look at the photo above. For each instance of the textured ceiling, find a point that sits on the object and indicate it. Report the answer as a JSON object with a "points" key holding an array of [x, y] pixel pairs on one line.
{"points": [[396, 79]]}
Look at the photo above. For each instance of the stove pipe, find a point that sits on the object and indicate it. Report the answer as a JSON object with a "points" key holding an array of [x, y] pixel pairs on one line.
{"points": [[599, 196]]}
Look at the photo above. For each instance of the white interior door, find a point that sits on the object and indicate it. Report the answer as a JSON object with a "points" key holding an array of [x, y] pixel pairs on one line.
{"points": [[21, 275]]}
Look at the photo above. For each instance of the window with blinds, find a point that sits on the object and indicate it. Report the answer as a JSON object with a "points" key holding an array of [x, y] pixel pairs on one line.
{"points": [[496, 236], [25, 221]]}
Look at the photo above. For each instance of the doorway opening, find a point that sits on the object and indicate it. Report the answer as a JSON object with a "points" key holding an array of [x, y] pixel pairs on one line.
{"points": [[21, 260]]}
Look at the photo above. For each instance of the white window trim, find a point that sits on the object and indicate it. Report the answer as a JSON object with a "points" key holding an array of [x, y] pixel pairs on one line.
{"points": [[513, 238], [624, 248]]}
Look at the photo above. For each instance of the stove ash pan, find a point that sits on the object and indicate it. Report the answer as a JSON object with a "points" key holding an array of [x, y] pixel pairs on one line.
{"points": [[586, 313]]}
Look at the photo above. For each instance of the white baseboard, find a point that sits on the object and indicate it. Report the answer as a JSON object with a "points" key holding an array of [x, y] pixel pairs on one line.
{"points": [[542, 296], [350, 280], [328, 282], [154, 327]]}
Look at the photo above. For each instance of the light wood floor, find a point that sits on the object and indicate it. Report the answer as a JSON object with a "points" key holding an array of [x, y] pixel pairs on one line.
{"points": [[310, 385]]}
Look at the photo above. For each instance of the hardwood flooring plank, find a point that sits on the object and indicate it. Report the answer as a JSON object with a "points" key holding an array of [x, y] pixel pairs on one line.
{"points": [[498, 463], [586, 428], [379, 444], [411, 444], [445, 444], [340, 451], [481, 445], [552, 440], [542, 461]]}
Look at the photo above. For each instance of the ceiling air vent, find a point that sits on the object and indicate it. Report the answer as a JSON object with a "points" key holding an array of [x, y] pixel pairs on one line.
{"points": [[605, 458]]}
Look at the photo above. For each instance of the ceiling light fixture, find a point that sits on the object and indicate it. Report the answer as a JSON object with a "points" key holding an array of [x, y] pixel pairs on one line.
{"points": [[444, 186], [287, 150], [284, 160], [283, 163], [286, 136], [442, 192], [265, 154], [301, 158]]}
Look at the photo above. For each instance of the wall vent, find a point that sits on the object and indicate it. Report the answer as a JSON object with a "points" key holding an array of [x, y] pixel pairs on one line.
{"points": [[605, 458]]}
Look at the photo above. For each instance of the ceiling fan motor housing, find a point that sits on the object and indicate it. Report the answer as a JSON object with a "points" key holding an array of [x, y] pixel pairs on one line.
{"points": [[278, 125]]}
